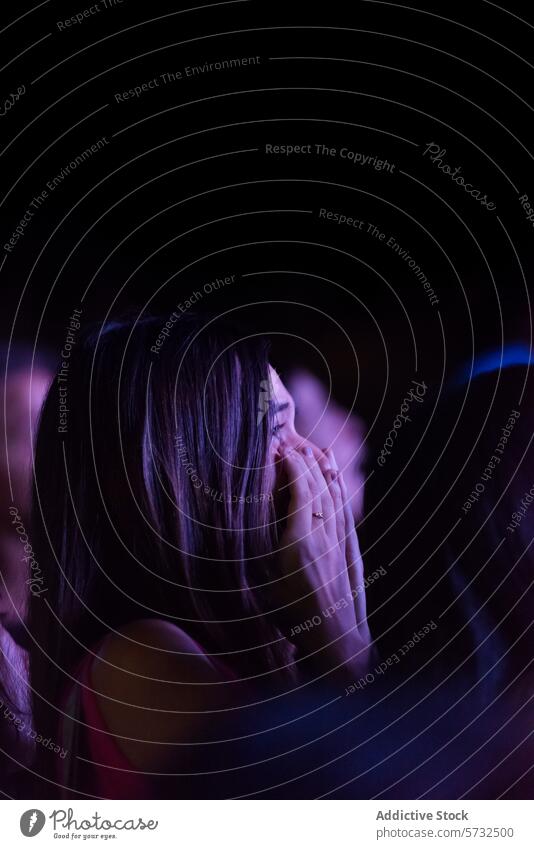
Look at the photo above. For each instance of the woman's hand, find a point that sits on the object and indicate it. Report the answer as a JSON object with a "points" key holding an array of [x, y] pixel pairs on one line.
{"points": [[322, 570]]}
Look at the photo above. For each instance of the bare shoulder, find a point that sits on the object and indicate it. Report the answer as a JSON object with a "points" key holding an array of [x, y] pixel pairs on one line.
{"points": [[153, 646], [154, 685]]}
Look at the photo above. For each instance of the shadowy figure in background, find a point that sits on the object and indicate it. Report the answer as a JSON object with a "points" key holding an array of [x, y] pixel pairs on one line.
{"points": [[454, 529], [24, 388]]}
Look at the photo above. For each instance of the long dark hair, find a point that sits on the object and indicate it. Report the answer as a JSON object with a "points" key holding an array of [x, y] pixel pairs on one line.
{"points": [[152, 497]]}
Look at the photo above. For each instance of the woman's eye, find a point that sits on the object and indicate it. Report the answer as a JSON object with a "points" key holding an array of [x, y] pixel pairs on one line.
{"points": [[277, 428]]}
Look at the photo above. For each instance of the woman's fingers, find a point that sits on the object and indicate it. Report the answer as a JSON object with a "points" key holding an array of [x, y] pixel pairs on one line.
{"points": [[323, 497], [317, 486], [337, 497], [300, 494], [354, 561], [348, 541], [320, 555]]}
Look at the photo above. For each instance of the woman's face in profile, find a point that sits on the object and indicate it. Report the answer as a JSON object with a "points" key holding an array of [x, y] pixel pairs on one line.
{"points": [[285, 433]]}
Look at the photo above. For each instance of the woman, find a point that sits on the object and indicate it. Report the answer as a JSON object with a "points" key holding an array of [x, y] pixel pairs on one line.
{"points": [[187, 536]]}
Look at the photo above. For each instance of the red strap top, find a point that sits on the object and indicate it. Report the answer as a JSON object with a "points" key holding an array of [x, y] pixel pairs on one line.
{"points": [[95, 765]]}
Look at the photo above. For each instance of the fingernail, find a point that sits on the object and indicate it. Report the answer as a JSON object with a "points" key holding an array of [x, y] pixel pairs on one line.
{"points": [[308, 451]]}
